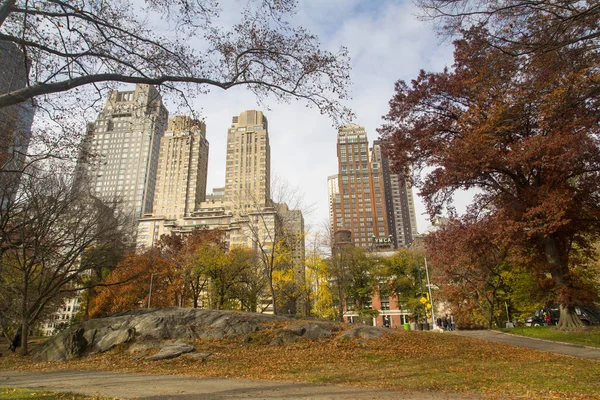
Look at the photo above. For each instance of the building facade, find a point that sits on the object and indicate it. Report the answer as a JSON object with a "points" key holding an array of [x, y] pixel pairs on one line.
{"points": [[62, 318], [333, 194], [124, 143], [370, 208], [182, 168], [15, 121], [248, 163], [361, 207], [398, 201], [243, 208]]}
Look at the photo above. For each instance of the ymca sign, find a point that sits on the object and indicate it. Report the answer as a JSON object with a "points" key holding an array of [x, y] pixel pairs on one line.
{"points": [[383, 240]]}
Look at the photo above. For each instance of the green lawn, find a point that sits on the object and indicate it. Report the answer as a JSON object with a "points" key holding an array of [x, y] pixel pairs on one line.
{"points": [[22, 394], [588, 336]]}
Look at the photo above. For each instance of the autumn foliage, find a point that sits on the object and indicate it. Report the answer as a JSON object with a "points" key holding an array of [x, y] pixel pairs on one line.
{"points": [[169, 266], [190, 270], [522, 131]]}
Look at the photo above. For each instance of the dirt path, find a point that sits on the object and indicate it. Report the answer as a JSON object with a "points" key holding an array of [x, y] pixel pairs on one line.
{"points": [[155, 387]]}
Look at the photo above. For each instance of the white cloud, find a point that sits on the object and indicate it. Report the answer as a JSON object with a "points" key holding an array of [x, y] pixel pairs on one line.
{"points": [[386, 43]]}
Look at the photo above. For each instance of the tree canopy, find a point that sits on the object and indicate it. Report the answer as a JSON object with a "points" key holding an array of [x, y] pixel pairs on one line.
{"points": [[521, 27], [182, 46], [522, 131]]}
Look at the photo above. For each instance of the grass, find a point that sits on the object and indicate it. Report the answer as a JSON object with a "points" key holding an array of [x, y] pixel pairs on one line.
{"points": [[22, 394], [409, 362], [587, 336]]}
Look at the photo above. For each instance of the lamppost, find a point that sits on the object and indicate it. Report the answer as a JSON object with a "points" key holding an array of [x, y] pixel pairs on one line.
{"points": [[150, 294], [430, 298]]}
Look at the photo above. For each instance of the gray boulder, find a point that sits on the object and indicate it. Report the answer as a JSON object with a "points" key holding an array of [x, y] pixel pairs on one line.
{"points": [[367, 332], [69, 344], [312, 330], [114, 338], [171, 351], [305, 329]]}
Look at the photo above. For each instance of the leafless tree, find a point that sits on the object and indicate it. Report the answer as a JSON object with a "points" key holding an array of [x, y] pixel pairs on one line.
{"points": [[183, 46], [276, 231], [45, 231], [521, 26]]}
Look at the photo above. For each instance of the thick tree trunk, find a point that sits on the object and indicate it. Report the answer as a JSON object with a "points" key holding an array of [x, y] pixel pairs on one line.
{"points": [[568, 318], [559, 271], [491, 318]]}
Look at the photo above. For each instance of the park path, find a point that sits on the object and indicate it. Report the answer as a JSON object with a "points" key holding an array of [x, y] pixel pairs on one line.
{"points": [[161, 387], [573, 350]]}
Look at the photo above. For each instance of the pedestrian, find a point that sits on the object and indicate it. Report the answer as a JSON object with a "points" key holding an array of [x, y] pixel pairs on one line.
{"points": [[445, 322], [547, 318], [451, 323], [439, 322]]}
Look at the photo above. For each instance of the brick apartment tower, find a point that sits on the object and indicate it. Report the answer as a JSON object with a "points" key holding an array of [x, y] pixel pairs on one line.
{"points": [[182, 168], [126, 138], [399, 202], [359, 204]]}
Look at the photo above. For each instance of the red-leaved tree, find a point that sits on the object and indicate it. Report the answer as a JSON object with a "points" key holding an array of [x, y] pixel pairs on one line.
{"points": [[522, 131]]}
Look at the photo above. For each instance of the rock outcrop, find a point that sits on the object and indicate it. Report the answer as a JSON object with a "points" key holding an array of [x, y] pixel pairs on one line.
{"points": [[367, 332], [159, 334], [153, 325], [307, 330]]}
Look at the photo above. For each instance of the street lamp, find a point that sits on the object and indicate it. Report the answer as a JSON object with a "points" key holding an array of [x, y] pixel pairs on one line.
{"points": [[430, 298]]}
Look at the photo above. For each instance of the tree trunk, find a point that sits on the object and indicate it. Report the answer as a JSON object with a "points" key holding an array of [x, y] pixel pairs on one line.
{"points": [[340, 303], [24, 337], [272, 288], [568, 318], [25, 316], [559, 270], [491, 318]]}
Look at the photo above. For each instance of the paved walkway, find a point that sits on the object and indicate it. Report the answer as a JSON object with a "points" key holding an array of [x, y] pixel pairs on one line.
{"points": [[161, 387], [573, 350]]}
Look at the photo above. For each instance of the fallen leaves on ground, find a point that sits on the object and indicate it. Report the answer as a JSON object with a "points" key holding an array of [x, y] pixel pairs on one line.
{"points": [[406, 362]]}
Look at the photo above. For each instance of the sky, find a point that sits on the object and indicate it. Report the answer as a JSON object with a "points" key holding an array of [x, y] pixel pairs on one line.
{"points": [[386, 42]]}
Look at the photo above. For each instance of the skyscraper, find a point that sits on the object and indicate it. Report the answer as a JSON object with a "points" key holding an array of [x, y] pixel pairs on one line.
{"points": [[182, 168], [399, 203], [15, 121], [248, 163], [333, 193], [126, 138], [361, 191]]}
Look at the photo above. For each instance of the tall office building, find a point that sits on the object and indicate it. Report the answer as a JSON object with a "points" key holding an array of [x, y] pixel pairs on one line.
{"points": [[333, 194], [126, 138], [361, 208], [399, 202], [15, 121], [248, 163], [182, 168]]}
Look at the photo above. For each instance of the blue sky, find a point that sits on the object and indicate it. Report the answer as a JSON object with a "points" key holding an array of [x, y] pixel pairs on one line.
{"points": [[386, 42]]}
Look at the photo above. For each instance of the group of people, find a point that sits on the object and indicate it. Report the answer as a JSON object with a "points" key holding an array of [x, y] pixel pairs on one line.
{"points": [[446, 323]]}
